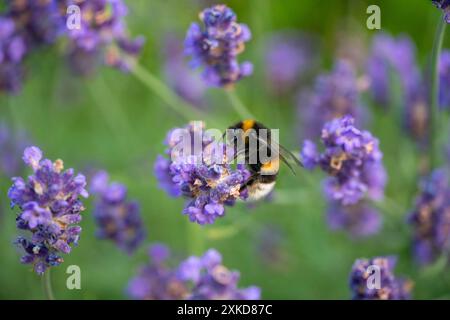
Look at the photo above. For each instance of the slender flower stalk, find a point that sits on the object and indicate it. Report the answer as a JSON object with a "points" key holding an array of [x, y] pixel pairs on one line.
{"points": [[435, 123], [238, 105], [47, 285], [182, 108]]}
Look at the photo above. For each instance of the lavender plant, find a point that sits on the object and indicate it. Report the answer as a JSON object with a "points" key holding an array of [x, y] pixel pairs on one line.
{"points": [[49, 210]]}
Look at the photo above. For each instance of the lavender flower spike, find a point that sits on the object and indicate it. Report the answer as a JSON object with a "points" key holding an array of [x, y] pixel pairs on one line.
{"points": [[430, 218], [102, 38], [195, 278], [12, 52], [353, 161], [50, 207], [117, 219], [204, 177], [216, 45], [334, 95], [352, 158], [390, 287]]}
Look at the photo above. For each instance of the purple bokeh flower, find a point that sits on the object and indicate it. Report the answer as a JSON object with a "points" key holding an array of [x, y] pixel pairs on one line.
{"points": [[41, 21], [288, 56], [444, 76], [353, 160], [186, 83], [397, 57], [12, 144], [204, 176], [215, 45], [116, 218], [12, 52], [389, 56], [102, 37], [335, 95], [359, 219], [202, 278], [363, 280], [444, 5], [431, 218], [50, 207]]}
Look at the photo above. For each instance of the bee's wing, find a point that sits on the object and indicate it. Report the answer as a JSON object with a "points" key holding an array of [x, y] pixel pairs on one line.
{"points": [[283, 153]]}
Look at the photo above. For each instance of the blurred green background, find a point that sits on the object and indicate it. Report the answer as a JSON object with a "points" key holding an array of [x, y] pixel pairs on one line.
{"points": [[114, 122]]}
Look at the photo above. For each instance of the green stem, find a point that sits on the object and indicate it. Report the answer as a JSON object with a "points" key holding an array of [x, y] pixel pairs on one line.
{"points": [[435, 126], [238, 106], [47, 285], [184, 109]]}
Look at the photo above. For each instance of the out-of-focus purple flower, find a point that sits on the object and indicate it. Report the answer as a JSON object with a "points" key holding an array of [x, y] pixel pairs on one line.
{"points": [[444, 76], [359, 219], [195, 278], [270, 247], [117, 219], [102, 37], [444, 5], [391, 55], [157, 280], [12, 52], [288, 57], [431, 218], [204, 175], [41, 21], [50, 207], [216, 44], [363, 282], [335, 95], [12, 144], [186, 83], [353, 160], [396, 56]]}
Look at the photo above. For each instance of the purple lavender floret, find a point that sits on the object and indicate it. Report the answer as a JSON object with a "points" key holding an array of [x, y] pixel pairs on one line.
{"points": [[13, 49], [12, 144], [335, 95], [431, 218], [195, 278], [117, 219], [216, 44], [391, 288], [444, 5], [353, 160], [102, 37], [50, 207], [444, 79], [204, 177]]}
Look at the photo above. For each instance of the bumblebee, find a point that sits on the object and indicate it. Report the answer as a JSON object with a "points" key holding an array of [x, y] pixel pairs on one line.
{"points": [[249, 136]]}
